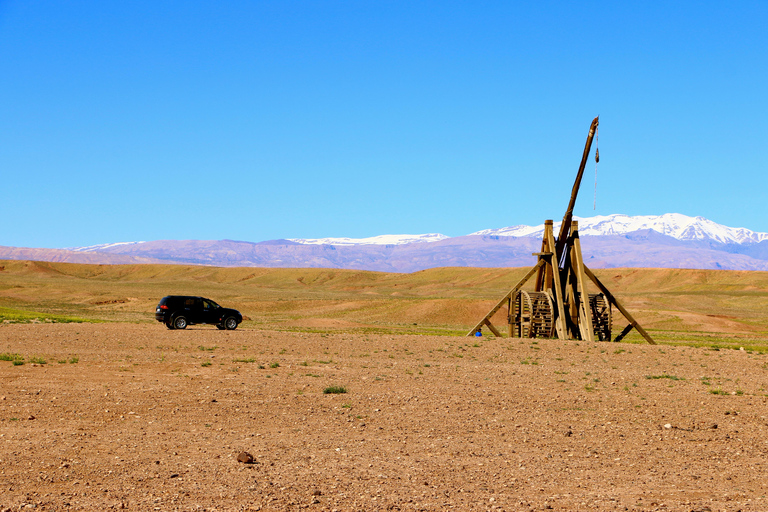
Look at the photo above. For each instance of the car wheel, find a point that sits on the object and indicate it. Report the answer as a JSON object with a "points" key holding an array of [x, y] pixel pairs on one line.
{"points": [[169, 325], [180, 322], [230, 323], [220, 327]]}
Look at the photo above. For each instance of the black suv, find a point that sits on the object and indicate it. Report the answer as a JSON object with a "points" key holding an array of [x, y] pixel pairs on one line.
{"points": [[179, 311]]}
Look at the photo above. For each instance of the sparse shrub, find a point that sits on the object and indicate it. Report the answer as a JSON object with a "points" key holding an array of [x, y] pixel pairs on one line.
{"points": [[5, 356], [664, 376], [38, 360], [718, 391], [334, 390], [74, 360], [18, 362], [275, 365], [205, 363]]}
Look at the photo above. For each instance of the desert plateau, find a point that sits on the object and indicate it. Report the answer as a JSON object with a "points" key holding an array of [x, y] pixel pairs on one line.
{"points": [[358, 391]]}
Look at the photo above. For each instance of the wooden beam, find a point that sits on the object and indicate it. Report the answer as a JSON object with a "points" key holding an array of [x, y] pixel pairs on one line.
{"points": [[572, 318], [585, 313], [565, 227], [493, 329], [621, 308], [558, 288], [548, 270], [487, 319], [623, 333]]}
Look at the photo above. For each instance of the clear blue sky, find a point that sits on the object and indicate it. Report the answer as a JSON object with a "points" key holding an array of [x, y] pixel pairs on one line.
{"points": [[250, 120]]}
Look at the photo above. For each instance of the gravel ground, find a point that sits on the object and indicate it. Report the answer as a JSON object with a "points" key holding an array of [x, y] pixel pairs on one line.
{"points": [[137, 417]]}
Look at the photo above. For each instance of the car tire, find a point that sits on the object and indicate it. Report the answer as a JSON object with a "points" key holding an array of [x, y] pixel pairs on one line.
{"points": [[180, 322], [230, 323], [169, 325], [220, 327]]}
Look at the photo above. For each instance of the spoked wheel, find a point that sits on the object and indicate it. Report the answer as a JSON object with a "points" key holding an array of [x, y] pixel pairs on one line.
{"points": [[601, 316], [180, 322], [230, 323], [531, 315]]}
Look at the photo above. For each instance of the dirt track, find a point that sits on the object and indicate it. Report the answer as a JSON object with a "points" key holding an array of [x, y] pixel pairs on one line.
{"points": [[428, 423]]}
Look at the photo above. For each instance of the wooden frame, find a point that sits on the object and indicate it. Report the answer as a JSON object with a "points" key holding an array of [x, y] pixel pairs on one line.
{"points": [[567, 287], [562, 275]]}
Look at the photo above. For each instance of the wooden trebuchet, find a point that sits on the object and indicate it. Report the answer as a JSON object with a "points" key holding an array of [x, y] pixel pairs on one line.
{"points": [[560, 304]]}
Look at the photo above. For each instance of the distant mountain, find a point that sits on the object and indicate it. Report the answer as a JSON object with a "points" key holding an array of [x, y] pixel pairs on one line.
{"points": [[374, 240], [675, 225], [100, 247], [664, 241], [69, 256]]}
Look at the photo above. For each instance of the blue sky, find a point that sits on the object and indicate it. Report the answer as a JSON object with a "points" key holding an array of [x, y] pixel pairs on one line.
{"points": [[150, 120]]}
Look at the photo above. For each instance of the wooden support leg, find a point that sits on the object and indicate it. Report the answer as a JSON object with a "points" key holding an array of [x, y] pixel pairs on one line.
{"points": [[560, 327], [618, 305], [487, 319], [585, 314], [623, 333], [493, 329]]}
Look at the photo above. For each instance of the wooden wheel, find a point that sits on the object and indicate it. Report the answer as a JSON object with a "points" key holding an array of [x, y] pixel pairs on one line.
{"points": [[532, 315], [601, 316]]}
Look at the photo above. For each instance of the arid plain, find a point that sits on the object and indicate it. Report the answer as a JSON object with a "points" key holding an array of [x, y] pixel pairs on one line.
{"points": [[123, 413]]}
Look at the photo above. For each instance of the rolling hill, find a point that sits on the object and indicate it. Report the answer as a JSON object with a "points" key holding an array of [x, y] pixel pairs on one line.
{"points": [[673, 304]]}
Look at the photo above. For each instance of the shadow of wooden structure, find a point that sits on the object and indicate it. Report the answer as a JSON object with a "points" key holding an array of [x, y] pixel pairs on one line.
{"points": [[560, 305]]}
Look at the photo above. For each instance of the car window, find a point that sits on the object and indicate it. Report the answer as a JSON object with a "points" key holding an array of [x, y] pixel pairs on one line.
{"points": [[189, 302], [209, 304]]}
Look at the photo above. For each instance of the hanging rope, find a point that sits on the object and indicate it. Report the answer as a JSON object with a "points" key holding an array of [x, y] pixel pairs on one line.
{"points": [[597, 160]]}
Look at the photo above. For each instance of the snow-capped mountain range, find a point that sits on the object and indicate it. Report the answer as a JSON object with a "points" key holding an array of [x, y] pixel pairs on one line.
{"points": [[374, 240], [101, 247], [669, 241], [675, 225]]}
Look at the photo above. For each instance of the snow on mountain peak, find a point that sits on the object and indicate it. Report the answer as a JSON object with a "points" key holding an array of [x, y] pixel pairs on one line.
{"points": [[101, 247], [676, 225], [374, 240]]}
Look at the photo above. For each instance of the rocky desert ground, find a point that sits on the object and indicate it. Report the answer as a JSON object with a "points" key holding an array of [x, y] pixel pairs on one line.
{"points": [[134, 416]]}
